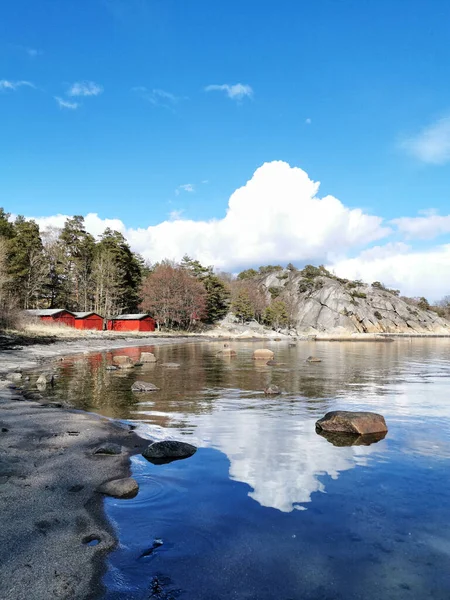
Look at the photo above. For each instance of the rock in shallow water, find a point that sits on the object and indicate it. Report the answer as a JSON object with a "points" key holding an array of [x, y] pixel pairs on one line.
{"points": [[143, 386], [120, 488], [272, 390], [313, 359], [168, 450], [171, 365], [344, 421], [263, 354], [148, 357]]}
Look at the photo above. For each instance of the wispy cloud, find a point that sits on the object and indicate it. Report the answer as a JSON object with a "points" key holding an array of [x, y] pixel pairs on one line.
{"points": [[33, 52], [5, 84], [308, 121], [85, 88], [185, 187], [156, 96], [62, 103], [175, 215], [432, 144], [238, 91]]}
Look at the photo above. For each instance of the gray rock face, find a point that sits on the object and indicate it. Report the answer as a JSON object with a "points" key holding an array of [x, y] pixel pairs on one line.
{"points": [[120, 488], [328, 305], [14, 377], [360, 423], [168, 450], [144, 386]]}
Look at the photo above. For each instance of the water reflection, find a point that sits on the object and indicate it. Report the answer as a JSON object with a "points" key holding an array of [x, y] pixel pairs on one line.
{"points": [[271, 443]]}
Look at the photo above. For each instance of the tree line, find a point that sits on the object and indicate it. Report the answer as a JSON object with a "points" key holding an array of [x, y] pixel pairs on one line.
{"points": [[68, 268]]}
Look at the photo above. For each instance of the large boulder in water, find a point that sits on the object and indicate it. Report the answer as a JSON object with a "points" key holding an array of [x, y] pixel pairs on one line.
{"points": [[168, 450], [263, 354], [340, 439], [360, 423], [144, 386]]}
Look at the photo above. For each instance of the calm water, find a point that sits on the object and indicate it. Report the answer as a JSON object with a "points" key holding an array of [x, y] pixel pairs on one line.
{"points": [[268, 509]]}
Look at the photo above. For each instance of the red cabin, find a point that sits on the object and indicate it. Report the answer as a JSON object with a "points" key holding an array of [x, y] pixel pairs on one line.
{"points": [[88, 320], [132, 323], [54, 315]]}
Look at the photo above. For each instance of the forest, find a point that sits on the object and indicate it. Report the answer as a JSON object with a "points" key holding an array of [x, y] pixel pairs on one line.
{"points": [[69, 268]]}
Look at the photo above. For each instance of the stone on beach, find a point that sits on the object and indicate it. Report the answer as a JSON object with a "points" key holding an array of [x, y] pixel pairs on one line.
{"points": [[263, 354], [168, 450], [148, 357], [361, 423], [120, 488], [144, 386]]}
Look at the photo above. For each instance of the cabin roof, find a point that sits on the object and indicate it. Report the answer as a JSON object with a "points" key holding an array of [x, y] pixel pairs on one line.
{"points": [[83, 315], [137, 317], [47, 312]]}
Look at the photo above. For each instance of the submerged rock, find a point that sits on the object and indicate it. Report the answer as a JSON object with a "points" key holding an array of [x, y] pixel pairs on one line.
{"points": [[111, 368], [227, 352], [168, 450], [272, 390], [263, 354], [109, 449], [360, 423], [148, 357], [340, 439], [144, 386], [120, 488], [171, 365], [313, 359]]}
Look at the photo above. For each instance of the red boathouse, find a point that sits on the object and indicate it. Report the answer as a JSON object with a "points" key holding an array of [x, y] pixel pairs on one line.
{"points": [[54, 315], [141, 322], [88, 320]]}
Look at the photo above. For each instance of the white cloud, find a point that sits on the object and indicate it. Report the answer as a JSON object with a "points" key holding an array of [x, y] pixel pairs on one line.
{"points": [[432, 144], [415, 273], [85, 88], [157, 97], [175, 215], [5, 84], [308, 121], [235, 92], [275, 217], [426, 227], [66, 104], [185, 187]]}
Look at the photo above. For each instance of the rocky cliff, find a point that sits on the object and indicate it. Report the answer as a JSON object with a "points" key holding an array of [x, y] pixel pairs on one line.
{"points": [[319, 302]]}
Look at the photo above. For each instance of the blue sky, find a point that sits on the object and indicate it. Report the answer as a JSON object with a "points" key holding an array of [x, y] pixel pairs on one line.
{"points": [[107, 107]]}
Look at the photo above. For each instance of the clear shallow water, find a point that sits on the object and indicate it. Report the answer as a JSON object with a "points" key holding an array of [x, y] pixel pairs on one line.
{"points": [[267, 508]]}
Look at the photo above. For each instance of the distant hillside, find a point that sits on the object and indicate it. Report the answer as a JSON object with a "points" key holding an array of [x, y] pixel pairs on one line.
{"points": [[317, 301]]}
